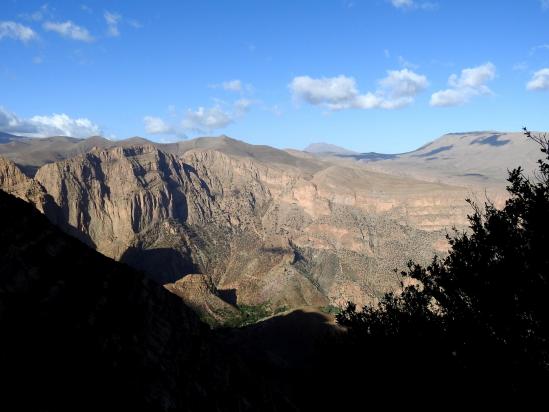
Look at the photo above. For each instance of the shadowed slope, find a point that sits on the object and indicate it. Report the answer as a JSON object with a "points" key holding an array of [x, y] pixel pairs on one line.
{"points": [[82, 332]]}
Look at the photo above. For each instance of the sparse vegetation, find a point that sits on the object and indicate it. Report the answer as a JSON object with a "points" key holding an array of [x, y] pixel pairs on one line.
{"points": [[250, 314], [331, 310]]}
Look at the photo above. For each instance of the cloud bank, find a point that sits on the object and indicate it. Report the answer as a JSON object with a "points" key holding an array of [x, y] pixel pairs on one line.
{"points": [[44, 126], [398, 89]]}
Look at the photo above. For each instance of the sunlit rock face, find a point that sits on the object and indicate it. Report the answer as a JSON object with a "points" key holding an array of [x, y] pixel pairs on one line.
{"points": [[272, 226]]}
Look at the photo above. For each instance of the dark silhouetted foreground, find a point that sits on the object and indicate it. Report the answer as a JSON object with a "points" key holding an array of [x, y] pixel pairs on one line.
{"points": [[81, 332], [474, 324]]}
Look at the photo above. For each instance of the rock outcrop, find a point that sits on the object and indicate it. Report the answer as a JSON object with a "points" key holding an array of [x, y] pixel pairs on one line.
{"points": [[198, 291], [14, 182]]}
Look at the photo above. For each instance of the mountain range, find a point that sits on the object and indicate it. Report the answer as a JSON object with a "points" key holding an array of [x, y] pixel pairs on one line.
{"points": [[259, 227]]}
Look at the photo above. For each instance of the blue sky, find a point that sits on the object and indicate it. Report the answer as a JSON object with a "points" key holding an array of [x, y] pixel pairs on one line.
{"points": [[370, 75]]}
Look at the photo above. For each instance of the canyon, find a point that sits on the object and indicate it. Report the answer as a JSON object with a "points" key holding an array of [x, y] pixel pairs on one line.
{"points": [[255, 226]]}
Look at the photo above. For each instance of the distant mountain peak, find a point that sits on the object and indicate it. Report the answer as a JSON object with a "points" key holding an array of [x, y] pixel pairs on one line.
{"points": [[321, 147]]}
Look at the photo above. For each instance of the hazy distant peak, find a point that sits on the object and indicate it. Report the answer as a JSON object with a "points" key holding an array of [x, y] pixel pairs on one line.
{"points": [[136, 140], [98, 139], [327, 148]]}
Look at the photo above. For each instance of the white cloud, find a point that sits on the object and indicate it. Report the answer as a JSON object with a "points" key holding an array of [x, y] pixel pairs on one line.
{"points": [[16, 31], [206, 119], [412, 4], [112, 20], [70, 30], [326, 90], [539, 81], [450, 97], [242, 106], [201, 120], [402, 4], [403, 83], [233, 86], [155, 125], [470, 83], [44, 126], [544, 4], [396, 90], [62, 124], [474, 77]]}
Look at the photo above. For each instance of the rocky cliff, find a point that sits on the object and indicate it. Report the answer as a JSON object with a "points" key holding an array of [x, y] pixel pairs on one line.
{"points": [[266, 226], [13, 181]]}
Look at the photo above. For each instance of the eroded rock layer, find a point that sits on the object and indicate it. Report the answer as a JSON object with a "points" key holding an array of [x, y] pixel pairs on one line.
{"points": [[268, 226]]}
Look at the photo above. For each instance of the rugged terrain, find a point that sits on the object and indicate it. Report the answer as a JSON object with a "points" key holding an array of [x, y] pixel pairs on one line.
{"points": [[266, 227]]}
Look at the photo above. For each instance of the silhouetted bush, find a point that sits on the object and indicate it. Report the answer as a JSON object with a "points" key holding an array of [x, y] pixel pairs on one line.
{"points": [[472, 324]]}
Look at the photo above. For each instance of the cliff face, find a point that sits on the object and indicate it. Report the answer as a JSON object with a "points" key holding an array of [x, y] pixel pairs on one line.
{"points": [[14, 182], [261, 226]]}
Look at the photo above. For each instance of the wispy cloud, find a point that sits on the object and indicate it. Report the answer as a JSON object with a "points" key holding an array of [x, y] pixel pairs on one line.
{"points": [[414, 5], [200, 120], [44, 126], [544, 4], [539, 81], [233, 86], [230, 85], [136, 24], [539, 47], [70, 30], [398, 89], [112, 20], [408, 64], [16, 31], [470, 83], [402, 4], [43, 12], [520, 66]]}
